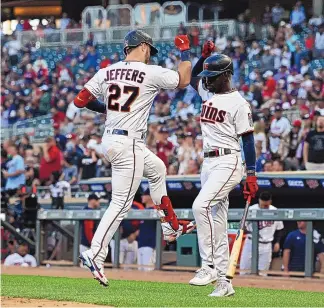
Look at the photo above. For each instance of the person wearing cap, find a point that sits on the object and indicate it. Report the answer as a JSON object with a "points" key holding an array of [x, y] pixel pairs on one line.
{"points": [[70, 171], [270, 84], [279, 134], [51, 160], [164, 147], [267, 59], [313, 152], [21, 257], [88, 227]]}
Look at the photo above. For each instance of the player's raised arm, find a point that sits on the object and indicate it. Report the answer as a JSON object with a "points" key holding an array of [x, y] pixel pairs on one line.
{"points": [[87, 97], [208, 48], [184, 68]]}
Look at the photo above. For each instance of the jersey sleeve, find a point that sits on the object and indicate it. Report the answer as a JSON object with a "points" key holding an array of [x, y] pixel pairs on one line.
{"points": [[164, 78], [94, 85], [243, 120]]}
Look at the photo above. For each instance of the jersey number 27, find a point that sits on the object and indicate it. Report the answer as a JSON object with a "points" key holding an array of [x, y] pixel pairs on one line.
{"points": [[114, 94]]}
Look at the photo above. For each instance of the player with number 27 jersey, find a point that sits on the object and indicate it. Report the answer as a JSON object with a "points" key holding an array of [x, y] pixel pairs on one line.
{"points": [[128, 90]]}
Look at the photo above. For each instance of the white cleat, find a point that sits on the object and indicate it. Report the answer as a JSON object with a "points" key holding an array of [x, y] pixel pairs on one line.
{"points": [[204, 276], [223, 289], [86, 258]]}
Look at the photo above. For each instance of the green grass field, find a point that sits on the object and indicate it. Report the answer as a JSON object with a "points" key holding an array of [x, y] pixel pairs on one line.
{"points": [[122, 293]]}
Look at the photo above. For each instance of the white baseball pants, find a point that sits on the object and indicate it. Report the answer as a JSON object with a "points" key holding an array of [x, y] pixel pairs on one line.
{"points": [[146, 256], [130, 160], [265, 256], [218, 177]]}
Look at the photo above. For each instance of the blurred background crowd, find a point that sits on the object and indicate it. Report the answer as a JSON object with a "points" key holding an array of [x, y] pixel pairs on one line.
{"points": [[281, 76]]}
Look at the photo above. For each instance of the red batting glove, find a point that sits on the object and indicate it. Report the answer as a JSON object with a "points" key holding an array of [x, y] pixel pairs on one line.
{"points": [[208, 48], [182, 42], [250, 187]]}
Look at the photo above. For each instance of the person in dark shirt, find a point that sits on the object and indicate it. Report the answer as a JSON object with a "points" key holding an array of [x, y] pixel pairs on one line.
{"points": [[87, 165], [295, 249], [314, 147], [147, 236], [88, 227], [61, 140]]}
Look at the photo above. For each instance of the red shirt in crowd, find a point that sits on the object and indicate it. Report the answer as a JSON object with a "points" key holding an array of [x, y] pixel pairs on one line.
{"points": [[309, 42], [270, 87], [46, 168], [58, 117], [163, 150], [105, 63]]}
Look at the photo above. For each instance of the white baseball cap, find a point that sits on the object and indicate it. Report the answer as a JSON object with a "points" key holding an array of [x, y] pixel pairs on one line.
{"points": [[267, 74]]}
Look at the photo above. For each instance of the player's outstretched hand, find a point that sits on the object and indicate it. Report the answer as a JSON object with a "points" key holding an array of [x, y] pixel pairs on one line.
{"points": [[208, 48], [171, 235], [182, 42], [250, 187]]}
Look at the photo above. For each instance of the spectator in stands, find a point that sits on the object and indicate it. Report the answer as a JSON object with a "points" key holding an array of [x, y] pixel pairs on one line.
{"points": [[186, 152], [147, 236], [192, 167], [295, 249], [164, 147], [318, 51], [314, 147], [60, 139], [267, 60], [277, 13], [65, 20], [277, 166], [21, 257], [295, 136], [267, 16], [270, 234], [279, 132], [297, 17], [51, 160], [58, 189], [13, 47], [15, 174], [70, 171], [88, 227], [88, 165], [221, 42]]}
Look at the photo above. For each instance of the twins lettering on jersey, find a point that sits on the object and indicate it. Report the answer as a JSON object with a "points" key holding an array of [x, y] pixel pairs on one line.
{"points": [[265, 224], [211, 114], [128, 74]]}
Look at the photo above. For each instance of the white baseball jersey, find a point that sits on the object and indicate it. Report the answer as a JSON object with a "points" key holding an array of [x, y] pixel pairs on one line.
{"points": [[281, 127], [128, 89], [267, 229], [17, 260], [224, 117]]}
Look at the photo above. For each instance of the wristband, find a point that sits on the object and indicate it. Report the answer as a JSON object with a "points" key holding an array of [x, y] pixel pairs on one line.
{"points": [[185, 55], [250, 172]]}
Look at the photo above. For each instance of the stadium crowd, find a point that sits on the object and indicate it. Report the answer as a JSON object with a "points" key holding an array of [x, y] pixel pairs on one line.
{"points": [[279, 74]]}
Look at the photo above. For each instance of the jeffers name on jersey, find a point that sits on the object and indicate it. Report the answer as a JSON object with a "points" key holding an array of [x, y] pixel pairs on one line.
{"points": [[125, 74]]}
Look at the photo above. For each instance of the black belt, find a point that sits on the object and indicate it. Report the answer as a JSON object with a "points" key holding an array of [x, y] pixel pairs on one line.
{"points": [[260, 242], [217, 152]]}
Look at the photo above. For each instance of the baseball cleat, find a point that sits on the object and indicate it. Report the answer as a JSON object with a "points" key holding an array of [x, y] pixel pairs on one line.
{"points": [[86, 258], [223, 289], [204, 276]]}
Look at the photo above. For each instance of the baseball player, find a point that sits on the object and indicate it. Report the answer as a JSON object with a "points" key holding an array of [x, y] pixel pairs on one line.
{"points": [[269, 231], [225, 117], [128, 89]]}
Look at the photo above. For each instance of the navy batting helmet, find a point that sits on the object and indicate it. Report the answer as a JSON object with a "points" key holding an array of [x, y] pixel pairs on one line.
{"points": [[216, 65], [137, 37]]}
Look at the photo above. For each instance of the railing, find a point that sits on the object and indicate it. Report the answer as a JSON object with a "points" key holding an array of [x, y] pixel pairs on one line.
{"points": [[116, 34], [308, 215], [38, 129]]}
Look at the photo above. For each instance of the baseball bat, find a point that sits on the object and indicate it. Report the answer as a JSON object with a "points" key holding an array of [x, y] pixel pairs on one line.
{"points": [[237, 243]]}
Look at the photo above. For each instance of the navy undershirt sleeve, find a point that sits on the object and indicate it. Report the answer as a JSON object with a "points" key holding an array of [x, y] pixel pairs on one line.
{"points": [[197, 69], [249, 151], [97, 106]]}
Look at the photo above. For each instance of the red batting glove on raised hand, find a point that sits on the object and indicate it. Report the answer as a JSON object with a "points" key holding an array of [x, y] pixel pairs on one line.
{"points": [[182, 42], [250, 187], [208, 48]]}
